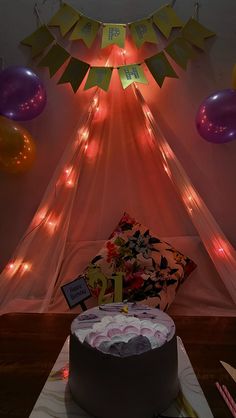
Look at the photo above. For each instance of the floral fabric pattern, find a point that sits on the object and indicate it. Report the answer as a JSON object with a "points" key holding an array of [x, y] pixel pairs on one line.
{"points": [[152, 269]]}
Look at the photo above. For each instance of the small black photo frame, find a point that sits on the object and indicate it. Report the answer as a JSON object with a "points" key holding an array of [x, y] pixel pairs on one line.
{"points": [[76, 292]]}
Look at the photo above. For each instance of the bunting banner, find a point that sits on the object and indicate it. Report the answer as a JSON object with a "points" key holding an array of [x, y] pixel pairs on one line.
{"points": [[54, 59], [86, 29], [180, 51], [142, 32], [74, 73], [100, 77], [113, 35], [195, 33], [166, 19], [131, 74], [39, 40], [65, 18], [160, 68]]}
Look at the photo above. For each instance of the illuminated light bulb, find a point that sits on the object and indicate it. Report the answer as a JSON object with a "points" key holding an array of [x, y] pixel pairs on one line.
{"points": [[221, 250], [26, 266], [85, 135], [190, 198], [11, 266], [86, 147], [65, 373], [70, 183], [95, 101], [97, 108]]}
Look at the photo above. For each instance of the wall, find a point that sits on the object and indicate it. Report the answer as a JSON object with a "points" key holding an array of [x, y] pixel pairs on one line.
{"points": [[211, 167]]}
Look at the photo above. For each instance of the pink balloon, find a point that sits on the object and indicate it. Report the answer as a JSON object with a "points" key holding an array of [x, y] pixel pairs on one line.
{"points": [[216, 117], [22, 94]]}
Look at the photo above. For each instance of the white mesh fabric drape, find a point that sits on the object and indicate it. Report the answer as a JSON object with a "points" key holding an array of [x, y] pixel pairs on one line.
{"points": [[117, 161]]}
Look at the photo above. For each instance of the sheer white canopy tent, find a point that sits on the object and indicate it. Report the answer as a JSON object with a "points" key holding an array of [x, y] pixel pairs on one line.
{"points": [[118, 159]]}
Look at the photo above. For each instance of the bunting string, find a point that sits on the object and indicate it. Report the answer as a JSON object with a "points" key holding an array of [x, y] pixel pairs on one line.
{"points": [[190, 35]]}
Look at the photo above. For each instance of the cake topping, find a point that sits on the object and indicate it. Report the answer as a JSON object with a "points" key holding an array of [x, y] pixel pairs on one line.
{"points": [[123, 335]]}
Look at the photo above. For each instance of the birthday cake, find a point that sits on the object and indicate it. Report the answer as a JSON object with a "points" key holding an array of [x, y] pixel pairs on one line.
{"points": [[123, 361]]}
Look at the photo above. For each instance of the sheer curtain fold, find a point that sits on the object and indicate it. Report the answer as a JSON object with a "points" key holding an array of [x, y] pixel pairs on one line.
{"points": [[118, 160]]}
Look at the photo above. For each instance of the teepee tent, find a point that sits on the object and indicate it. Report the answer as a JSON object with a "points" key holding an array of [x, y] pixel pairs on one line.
{"points": [[121, 157]]}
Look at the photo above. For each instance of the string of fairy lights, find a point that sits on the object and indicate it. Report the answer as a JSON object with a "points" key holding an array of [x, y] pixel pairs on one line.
{"points": [[68, 178]]}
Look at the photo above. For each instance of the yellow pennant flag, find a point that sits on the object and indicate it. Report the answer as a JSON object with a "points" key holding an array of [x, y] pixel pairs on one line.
{"points": [[99, 76], [234, 77], [86, 29], [142, 32], [195, 33], [160, 68], [65, 18], [131, 74], [39, 40], [166, 19], [113, 34], [180, 51], [74, 73], [54, 59]]}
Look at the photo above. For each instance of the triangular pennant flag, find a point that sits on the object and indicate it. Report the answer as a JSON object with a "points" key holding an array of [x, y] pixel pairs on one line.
{"points": [[54, 59], [38, 40], [195, 33], [166, 19], [74, 73], [234, 77], [142, 32], [65, 18], [86, 29], [99, 76], [180, 51], [113, 34], [131, 74], [160, 68]]}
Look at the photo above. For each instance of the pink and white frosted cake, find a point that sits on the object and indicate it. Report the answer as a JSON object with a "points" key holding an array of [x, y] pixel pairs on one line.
{"points": [[123, 361]]}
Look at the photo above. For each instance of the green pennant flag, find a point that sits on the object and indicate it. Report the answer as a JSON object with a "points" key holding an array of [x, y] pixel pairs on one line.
{"points": [[113, 34], [74, 73], [142, 32], [65, 18], [180, 51], [54, 59], [195, 33], [166, 19], [86, 29], [99, 76], [131, 74], [39, 40], [160, 68]]}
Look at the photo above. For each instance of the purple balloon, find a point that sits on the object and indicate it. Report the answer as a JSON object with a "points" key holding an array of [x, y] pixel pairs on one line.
{"points": [[22, 94], [216, 117]]}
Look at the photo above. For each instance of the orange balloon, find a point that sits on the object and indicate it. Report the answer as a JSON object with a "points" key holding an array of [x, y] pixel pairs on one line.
{"points": [[17, 149]]}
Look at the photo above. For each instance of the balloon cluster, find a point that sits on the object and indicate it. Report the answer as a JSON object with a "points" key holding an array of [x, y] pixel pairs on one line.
{"points": [[216, 117], [22, 97]]}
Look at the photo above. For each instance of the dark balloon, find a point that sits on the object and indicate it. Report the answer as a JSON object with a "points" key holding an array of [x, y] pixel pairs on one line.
{"points": [[22, 94], [216, 117]]}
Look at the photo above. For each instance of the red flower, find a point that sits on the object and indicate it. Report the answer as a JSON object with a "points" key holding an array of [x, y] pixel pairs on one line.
{"points": [[112, 252]]}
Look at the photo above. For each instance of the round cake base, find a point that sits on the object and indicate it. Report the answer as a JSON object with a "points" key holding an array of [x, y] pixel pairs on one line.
{"points": [[108, 386]]}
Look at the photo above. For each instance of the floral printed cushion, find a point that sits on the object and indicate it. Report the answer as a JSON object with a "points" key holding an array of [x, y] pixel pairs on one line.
{"points": [[152, 269]]}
